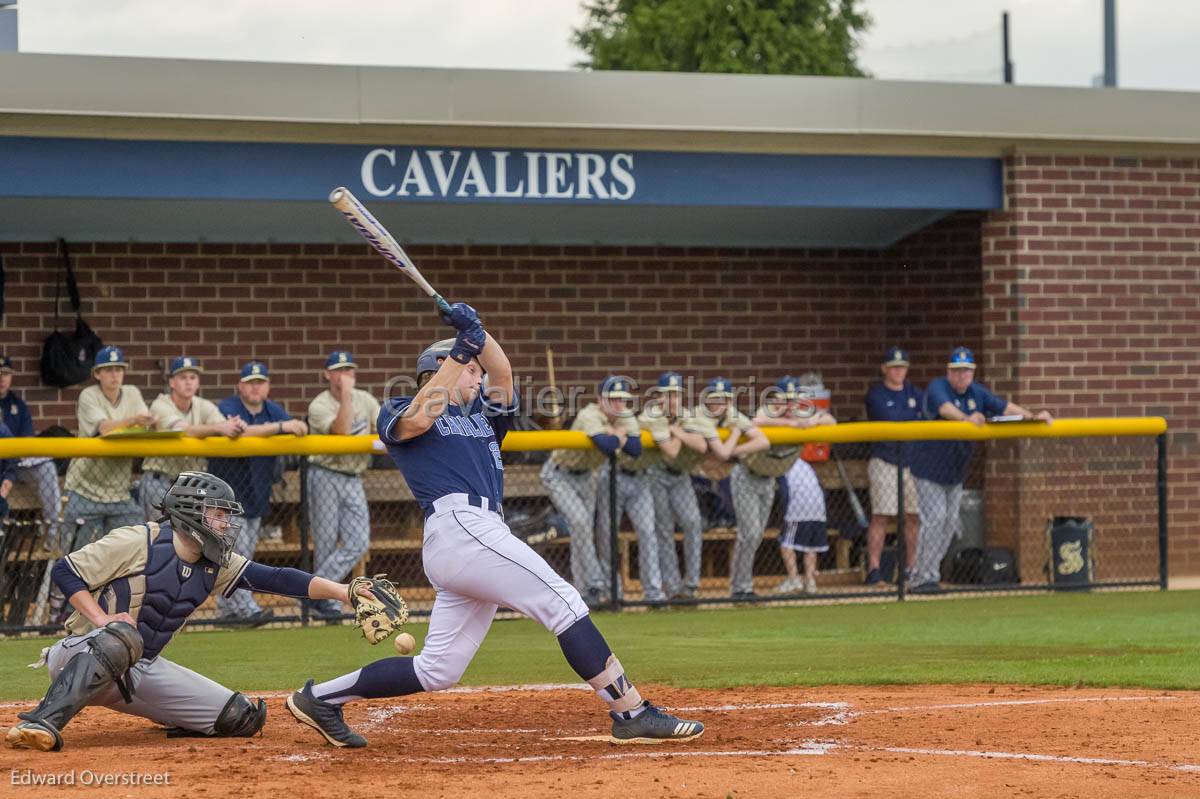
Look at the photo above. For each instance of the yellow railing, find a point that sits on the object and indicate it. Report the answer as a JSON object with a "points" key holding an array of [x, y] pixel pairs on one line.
{"points": [[519, 441]]}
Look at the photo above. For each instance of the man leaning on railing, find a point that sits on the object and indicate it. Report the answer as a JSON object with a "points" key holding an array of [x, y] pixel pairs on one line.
{"points": [[252, 478], [941, 466], [36, 471]]}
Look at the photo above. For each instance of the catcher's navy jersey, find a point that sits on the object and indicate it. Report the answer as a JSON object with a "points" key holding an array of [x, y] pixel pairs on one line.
{"points": [[458, 454]]}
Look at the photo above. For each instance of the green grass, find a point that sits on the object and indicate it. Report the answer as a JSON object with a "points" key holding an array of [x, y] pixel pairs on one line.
{"points": [[1147, 640]]}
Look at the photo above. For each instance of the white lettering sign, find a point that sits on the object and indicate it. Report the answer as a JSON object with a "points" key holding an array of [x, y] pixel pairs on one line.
{"points": [[486, 174]]}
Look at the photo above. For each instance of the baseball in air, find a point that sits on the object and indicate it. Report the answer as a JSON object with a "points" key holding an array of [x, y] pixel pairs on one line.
{"points": [[405, 643]]}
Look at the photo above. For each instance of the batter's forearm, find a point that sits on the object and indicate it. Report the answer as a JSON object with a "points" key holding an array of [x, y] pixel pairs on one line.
{"points": [[499, 371]]}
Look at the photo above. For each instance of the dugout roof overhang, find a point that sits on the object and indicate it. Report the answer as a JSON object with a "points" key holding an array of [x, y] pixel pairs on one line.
{"points": [[95, 148]]}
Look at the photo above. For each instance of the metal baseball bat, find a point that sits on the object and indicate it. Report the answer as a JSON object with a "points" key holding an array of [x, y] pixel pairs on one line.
{"points": [[378, 237], [859, 514]]}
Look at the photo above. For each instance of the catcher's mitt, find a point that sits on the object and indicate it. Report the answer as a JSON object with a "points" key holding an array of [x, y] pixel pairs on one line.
{"points": [[379, 617]]}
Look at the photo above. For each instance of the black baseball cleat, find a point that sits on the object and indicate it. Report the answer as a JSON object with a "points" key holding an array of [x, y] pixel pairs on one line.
{"points": [[323, 717], [653, 726]]}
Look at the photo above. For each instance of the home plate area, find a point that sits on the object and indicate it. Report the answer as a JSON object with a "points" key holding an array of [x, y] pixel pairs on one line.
{"points": [[927, 741]]}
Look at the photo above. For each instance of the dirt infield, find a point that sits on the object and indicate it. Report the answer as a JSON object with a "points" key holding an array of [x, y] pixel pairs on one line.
{"points": [[925, 741]]}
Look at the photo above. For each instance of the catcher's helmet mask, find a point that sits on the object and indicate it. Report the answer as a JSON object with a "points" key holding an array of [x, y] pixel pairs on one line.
{"points": [[191, 505]]}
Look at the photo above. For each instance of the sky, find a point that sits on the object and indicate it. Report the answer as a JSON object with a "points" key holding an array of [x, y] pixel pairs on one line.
{"points": [[1054, 42]]}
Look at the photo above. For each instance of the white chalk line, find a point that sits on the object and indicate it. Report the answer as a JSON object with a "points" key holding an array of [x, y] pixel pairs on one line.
{"points": [[1033, 756]]}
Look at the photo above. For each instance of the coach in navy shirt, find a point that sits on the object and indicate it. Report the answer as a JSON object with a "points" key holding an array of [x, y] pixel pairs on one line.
{"points": [[941, 466], [251, 478], [893, 399], [38, 472]]}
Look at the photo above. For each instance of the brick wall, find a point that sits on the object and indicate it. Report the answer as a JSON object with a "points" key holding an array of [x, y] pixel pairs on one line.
{"points": [[1091, 286], [638, 310]]}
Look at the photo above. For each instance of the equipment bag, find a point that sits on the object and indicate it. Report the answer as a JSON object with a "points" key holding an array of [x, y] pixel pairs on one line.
{"points": [[67, 357]]}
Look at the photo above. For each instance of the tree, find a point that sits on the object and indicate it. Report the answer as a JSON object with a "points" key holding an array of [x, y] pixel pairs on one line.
{"points": [[777, 37]]}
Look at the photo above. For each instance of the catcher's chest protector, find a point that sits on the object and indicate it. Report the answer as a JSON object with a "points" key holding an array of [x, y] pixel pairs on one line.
{"points": [[174, 589]]}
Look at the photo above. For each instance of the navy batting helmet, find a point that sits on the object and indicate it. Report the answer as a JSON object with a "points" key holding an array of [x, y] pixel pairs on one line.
{"points": [[432, 356]]}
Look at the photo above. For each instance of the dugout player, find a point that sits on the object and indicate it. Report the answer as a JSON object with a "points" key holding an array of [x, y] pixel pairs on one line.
{"points": [[132, 592], [38, 472], [181, 409], [251, 478], [571, 479], [941, 466], [755, 478], [633, 489], [98, 488], [337, 510], [893, 399], [446, 442], [681, 441]]}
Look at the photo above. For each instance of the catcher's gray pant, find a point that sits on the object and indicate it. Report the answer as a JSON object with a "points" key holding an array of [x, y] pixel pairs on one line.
{"points": [[153, 487], [163, 692], [752, 499], [940, 524], [574, 495], [341, 526], [633, 498], [675, 505], [242, 602], [44, 478], [86, 520]]}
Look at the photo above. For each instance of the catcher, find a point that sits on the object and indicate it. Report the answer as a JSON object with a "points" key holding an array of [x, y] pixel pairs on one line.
{"points": [[132, 591]]}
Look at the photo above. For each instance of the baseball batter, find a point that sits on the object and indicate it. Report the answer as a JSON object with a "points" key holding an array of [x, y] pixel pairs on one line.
{"points": [[633, 490], [681, 441], [98, 488], [132, 592], [338, 511], [571, 478], [184, 410], [446, 442]]}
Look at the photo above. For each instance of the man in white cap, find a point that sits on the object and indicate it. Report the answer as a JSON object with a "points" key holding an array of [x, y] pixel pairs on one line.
{"points": [[98, 498]]}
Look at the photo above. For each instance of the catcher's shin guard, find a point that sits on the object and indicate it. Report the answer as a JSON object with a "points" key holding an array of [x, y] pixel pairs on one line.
{"points": [[241, 717], [109, 655]]}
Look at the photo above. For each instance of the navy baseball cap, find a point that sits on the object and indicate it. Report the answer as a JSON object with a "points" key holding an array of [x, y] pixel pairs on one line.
{"points": [[185, 363], [255, 370], [895, 356], [6, 367], [670, 381], [340, 359], [961, 358], [719, 387], [615, 387], [788, 387], [110, 356]]}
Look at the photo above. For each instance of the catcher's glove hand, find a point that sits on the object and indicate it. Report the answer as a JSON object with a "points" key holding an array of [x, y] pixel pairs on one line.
{"points": [[380, 614]]}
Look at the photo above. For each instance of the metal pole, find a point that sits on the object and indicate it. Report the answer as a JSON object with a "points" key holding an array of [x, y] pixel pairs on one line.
{"points": [[901, 545], [305, 555], [1110, 43], [1008, 64], [1162, 512], [614, 555]]}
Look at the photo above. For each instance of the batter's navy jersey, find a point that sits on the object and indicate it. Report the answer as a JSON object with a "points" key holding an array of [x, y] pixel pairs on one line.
{"points": [[458, 454]]}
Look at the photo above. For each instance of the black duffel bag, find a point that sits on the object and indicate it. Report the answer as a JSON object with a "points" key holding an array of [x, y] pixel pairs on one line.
{"points": [[67, 357], [978, 566]]}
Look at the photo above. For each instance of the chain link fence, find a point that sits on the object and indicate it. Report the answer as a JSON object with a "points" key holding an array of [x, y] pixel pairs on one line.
{"points": [[831, 522]]}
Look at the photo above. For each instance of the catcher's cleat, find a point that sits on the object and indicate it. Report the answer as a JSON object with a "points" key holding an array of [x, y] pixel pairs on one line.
{"points": [[34, 735], [323, 717], [653, 726]]}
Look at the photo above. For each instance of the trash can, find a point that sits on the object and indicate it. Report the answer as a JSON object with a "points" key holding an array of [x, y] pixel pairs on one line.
{"points": [[1069, 539]]}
